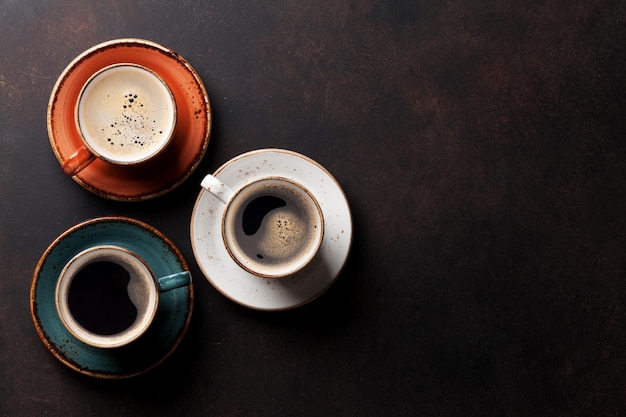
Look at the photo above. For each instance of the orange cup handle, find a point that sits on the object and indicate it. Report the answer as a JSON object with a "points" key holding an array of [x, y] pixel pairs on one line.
{"points": [[78, 161]]}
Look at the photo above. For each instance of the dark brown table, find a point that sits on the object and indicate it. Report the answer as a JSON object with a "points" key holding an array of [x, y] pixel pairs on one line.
{"points": [[482, 147]]}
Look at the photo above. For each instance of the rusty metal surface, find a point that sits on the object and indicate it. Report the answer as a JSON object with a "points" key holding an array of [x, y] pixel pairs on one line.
{"points": [[480, 145]]}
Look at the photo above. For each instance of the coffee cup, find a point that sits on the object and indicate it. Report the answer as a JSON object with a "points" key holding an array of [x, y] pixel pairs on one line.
{"points": [[271, 227], [107, 296], [125, 115]]}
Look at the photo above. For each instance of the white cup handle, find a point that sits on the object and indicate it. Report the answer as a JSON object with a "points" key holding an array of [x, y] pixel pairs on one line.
{"points": [[217, 188]]}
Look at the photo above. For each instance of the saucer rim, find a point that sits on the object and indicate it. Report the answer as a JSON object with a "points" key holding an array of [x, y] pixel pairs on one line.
{"points": [[167, 54], [55, 350], [309, 299]]}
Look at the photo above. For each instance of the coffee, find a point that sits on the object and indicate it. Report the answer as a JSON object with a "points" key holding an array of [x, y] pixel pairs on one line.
{"points": [[98, 298], [272, 227], [126, 114], [106, 296]]}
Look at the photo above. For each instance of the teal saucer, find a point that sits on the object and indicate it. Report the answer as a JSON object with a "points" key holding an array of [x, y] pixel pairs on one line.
{"points": [[168, 327]]}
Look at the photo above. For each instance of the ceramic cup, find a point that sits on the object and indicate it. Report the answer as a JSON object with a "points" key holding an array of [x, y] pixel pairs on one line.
{"points": [[125, 114], [271, 227], [107, 296]]}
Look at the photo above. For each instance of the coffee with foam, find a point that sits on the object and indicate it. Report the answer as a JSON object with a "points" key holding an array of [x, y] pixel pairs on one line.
{"points": [[126, 114], [272, 227]]}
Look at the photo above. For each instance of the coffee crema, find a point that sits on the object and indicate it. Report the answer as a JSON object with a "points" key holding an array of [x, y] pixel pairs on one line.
{"points": [[126, 114]]}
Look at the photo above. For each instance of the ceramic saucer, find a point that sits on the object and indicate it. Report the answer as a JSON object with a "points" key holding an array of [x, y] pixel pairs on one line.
{"points": [[273, 294], [170, 168], [170, 323]]}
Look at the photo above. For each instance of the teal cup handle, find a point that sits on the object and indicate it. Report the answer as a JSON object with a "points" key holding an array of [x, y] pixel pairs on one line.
{"points": [[173, 281]]}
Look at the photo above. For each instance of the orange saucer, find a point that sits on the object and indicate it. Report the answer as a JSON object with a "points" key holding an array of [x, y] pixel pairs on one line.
{"points": [[172, 166]]}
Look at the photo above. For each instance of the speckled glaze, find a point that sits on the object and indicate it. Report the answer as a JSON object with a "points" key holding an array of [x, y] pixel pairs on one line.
{"points": [[168, 327], [172, 166], [266, 293]]}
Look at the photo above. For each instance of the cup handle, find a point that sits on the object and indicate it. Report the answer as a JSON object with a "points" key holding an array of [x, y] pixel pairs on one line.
{"points": [[217, 188], [173, 281], [78, 161]]}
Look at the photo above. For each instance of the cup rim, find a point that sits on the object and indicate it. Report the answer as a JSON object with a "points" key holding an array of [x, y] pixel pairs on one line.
{"points": [[80, 332], [301, 265], [146, 158]]}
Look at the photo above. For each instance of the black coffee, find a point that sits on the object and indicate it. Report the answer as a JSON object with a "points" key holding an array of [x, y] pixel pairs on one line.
{"points": [[98, 298]]}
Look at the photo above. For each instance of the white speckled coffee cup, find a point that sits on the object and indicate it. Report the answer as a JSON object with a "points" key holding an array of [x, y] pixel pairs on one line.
{"points": [[272, 227]]}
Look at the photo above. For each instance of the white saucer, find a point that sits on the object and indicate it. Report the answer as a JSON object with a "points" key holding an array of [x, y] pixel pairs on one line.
{"points": [[272, 294]]}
